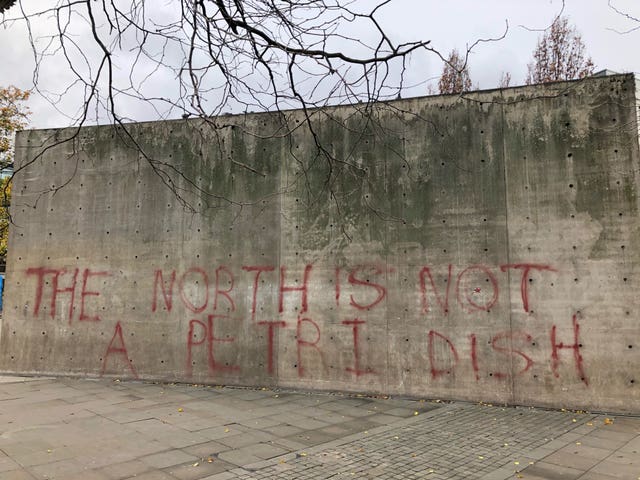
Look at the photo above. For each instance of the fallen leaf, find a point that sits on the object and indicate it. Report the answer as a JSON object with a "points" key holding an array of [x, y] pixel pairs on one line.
{"points": [[480, 457], [416, 413], [578, 443], [226, 430], [209, 459], [49, 450], [196, 464], [590, 424], [608, 421], [516, 463], [181, 409], [574, 420], [302, 454]]}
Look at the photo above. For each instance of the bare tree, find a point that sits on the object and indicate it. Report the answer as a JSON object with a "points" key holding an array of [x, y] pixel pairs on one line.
{"points": [[505, 80], [127, 59], [559, 55], [635, 20], [130, 60], [455, 74], [225, 55]]}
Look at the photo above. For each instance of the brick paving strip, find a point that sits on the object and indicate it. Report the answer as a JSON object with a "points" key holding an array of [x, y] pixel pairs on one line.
{"points": [[88, 429]]}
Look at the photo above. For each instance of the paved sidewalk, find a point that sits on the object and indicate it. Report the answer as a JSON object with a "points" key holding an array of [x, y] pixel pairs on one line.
{"points": [[90, 429]]}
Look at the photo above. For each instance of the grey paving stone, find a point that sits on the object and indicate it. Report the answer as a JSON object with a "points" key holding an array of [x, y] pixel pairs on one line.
{"points": [[60, 469], [207, 449], [633, 446], [282, 430], [290, 445], [571, 459], [18, 475], [610, 434], [155, 475], [598, 476], [239, 457], [307, 423], [311, 437], [222, 476], [551, 471], [123, 470], [245, 439], [198, 470], [168, 459], [260, 423], [88, 475], [617, 470], [604, 443], [266, 451]]}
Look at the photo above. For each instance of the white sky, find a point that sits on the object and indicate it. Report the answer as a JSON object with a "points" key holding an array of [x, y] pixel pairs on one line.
{"points": [[451, 24]]}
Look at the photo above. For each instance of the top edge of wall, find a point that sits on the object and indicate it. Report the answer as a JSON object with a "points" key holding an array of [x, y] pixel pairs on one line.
{"points": [[523, 91]]}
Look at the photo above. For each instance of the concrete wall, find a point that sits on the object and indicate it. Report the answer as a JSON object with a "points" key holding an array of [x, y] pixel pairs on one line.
{"points": [[483, 248]]}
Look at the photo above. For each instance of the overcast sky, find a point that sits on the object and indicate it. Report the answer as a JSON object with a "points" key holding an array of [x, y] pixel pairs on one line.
{"points": [[453, 24]]}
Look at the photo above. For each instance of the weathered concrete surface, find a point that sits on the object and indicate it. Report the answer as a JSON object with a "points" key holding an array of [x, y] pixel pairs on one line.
{"points": [[481, 248]]}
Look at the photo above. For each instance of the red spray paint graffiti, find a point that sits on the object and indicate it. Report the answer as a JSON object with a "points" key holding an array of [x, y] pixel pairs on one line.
{"points": [[57, 276], [476, 290], [207, 334], [117, 347]]}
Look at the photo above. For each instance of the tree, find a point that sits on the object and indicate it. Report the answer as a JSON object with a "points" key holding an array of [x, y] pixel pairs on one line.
{"points": [[216, 56], [5, 219], [559, 55], [118, 61], [455, 75], [635, 20], [133, 60], [13, 117], [505, 80]]}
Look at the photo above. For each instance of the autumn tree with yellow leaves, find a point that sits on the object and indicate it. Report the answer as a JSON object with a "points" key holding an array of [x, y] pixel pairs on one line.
{"points": [[13, 117]]}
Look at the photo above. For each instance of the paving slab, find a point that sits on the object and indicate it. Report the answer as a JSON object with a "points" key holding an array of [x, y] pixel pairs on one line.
{"points": [[61, 428]]}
